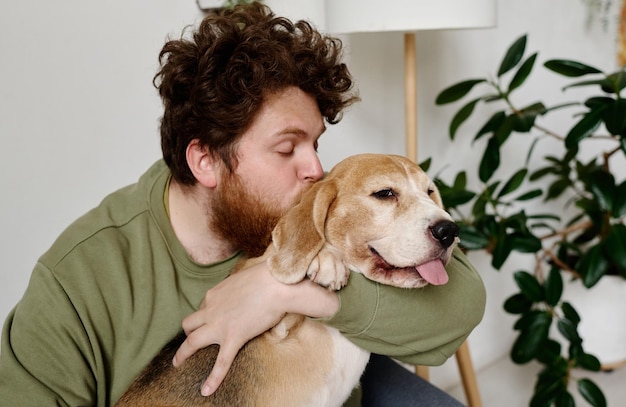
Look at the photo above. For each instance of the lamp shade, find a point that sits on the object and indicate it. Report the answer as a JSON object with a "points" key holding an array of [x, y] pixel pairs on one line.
{"points": [[353, 16]]}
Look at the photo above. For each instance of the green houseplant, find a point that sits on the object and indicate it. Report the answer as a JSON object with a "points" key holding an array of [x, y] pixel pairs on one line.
{"points": [[564, 209]]}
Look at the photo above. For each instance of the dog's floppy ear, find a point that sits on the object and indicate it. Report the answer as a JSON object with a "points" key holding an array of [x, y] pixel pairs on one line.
{"points": [[299, 235]]}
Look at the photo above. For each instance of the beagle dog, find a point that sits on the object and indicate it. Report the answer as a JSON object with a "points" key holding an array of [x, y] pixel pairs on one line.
{"points": [[379, 215]]}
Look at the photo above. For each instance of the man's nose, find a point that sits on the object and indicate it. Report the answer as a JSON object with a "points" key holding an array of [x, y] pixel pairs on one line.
{"points": [[312, 170]]}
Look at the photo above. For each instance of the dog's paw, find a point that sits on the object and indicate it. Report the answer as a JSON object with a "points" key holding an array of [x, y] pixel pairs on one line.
{"points": [[283, 269], [328, 269]]}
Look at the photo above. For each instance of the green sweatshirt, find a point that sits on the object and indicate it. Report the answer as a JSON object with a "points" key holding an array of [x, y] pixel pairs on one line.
{"points": [[115, 286]]}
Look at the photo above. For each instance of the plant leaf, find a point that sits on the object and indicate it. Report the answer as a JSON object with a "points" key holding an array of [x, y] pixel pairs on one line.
{"points": [[591, 392], [525, 242], [529, 195], [614, 117], [524, 119], [461, 116], [541, 399], [569, 331], [522, 73], [457, 91], [588, 362], [619, 205], [551, 381], [529, 286], [453, 197], [570, 313], [557, 188], [472, 239], [513, 183], [502, 132], [490, 160], [542, 172], [598, 100], [604, 83], [530, 340], [615, 82], [513, 55], [517, 304], [479, 209], [549, 216], [501, 252], [561, 106], [425, 165], [615, 244], [570, 68], [591, 208], [553, 287], [592, 266], [531, 149], [550, 352], [526, 321], [493, 123], [564, 399], [602, 186], [585, 127]]}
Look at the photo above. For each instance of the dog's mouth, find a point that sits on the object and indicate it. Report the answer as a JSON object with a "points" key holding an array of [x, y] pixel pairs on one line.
{"points": [[432, 271]]}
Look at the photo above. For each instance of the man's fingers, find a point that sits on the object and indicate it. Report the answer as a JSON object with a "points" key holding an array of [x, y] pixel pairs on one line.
{"points": [[192, 322], [223, 362], [190, 346], [225, 358]]}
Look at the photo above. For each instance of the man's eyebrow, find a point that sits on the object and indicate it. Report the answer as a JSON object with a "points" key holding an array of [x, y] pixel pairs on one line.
{"points": [[298, 132]]}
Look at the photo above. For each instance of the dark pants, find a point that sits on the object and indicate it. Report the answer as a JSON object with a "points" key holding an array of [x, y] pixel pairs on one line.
{"points": [[387, 384]]}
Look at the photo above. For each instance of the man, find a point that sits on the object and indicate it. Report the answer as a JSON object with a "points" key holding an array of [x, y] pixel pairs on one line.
{"points": [[246, 97]]}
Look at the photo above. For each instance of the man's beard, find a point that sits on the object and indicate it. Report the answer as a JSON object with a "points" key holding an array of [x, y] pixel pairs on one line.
{"points": [[242, 218]]}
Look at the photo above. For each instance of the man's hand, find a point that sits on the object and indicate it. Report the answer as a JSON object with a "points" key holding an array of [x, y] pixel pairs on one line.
{"points": [[242, 307]]}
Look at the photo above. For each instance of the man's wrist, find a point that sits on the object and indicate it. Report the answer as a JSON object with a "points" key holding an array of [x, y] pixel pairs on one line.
{"points": [[306, 298]]}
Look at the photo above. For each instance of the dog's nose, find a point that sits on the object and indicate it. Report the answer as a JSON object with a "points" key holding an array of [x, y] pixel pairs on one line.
{"points": [[445, 232]]}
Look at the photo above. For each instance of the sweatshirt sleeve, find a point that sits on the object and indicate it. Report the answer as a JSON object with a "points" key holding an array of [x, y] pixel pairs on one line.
{"points": [[44, 358], [419, 326]]}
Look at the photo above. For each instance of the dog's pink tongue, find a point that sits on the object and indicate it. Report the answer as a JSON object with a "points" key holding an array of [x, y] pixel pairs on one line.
{"points": [[433, 272]]}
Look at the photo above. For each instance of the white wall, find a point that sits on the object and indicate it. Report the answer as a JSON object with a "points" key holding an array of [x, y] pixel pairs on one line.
{"points": [[78, 113]]}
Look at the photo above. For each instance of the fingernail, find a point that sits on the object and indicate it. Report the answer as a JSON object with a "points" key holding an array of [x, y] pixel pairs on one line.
{"points": [[206, 390]]}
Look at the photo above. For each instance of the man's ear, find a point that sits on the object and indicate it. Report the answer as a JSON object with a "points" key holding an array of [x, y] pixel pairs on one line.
{"points": [[203, 165]]}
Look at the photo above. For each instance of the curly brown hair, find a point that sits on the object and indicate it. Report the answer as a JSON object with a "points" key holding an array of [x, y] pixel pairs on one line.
{"points": [[214, 83]]}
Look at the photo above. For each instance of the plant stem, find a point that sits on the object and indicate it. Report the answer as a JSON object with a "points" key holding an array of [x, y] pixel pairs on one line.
{"points": [[549, 132], [568, 230], [561, 265]]}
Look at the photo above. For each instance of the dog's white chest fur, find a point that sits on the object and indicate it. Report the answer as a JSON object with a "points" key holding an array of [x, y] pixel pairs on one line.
{"points": [[349, 363]]}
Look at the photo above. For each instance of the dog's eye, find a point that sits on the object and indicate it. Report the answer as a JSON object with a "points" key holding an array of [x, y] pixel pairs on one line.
{"points": [[430, 191], [384, 193]]}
